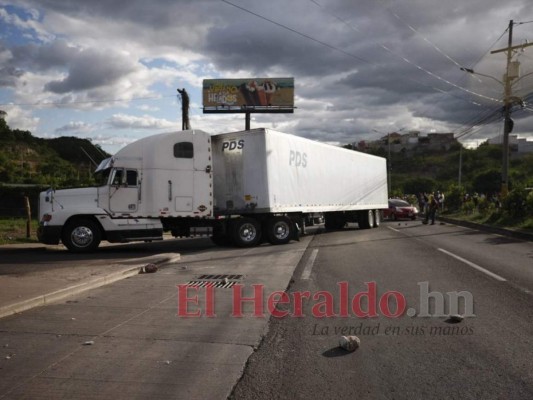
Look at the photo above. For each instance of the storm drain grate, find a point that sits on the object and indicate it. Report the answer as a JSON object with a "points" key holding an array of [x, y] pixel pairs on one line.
{"points": [[223, 276], [224, 281], [216, 284]]}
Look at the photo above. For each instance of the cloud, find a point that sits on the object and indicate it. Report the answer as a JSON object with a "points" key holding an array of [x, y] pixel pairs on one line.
{"points": [[89, 69], [358, 66], [75, 127], [123, 121], [20, 117]]}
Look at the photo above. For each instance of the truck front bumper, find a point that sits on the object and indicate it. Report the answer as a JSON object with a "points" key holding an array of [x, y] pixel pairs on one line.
{"points": [[49, 234]]}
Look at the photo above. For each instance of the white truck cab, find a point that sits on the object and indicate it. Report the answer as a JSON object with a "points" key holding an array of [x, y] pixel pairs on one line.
{"points": [[167, 175]]}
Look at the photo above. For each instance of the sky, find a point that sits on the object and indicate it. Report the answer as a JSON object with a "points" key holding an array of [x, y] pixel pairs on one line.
{"points": [[109, 70]]}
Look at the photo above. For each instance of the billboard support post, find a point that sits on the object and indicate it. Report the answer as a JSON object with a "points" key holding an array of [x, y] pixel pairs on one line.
{"points": [[247, 121]]}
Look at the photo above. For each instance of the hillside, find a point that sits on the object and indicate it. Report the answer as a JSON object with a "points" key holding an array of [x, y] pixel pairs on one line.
{"points": [[66, 161], [58, 162], [439, 170]]}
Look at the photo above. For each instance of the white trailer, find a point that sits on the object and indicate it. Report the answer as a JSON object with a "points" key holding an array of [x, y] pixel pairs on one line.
{"points": [[243, 187]]}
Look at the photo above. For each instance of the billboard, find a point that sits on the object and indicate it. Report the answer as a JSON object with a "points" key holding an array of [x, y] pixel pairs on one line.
{"points": [[268, 95]]}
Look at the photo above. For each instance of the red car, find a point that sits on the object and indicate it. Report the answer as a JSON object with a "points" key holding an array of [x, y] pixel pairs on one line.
{"points": [[399, 209]]}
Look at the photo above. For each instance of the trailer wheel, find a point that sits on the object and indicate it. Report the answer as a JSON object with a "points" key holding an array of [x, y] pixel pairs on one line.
{"points": [[377, 218], [279, 230], [246, 232], [366, 219], [81, 235]]}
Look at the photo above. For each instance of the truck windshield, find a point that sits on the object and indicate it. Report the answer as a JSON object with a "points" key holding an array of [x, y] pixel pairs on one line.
{"points": [[102, 176]]}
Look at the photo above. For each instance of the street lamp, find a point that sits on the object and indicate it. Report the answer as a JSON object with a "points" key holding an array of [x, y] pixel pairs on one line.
{"points": [[508, 101], [511, 74]]}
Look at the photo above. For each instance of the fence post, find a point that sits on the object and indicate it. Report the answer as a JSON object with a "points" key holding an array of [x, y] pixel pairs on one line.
{"points": [[28, 215]]}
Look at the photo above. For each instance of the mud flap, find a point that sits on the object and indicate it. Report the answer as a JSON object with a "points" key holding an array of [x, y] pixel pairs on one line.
{"points": [[297, 230]]}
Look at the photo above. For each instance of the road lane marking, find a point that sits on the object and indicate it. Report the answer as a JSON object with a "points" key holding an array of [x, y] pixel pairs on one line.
{"points": [[306, 273], [485, 271]]}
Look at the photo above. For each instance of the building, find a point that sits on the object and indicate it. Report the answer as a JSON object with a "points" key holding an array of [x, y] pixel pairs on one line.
{"points": [[410, 142], [517, 144]]}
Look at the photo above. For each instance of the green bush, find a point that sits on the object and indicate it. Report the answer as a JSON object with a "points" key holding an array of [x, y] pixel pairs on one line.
{"points": [[468, 207], [485, 206], [529, 204], [514, 204], [453, 199]]}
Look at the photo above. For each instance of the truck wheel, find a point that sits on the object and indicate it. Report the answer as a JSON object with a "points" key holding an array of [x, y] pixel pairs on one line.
{"points": [[377, 218], [81, 235], [246, 232], [279, 230], [366, 219]]}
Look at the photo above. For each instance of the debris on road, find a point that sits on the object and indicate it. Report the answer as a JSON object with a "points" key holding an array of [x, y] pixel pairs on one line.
{"points": [[89, 343], [149, 269], [454, 319], [349, 343]]}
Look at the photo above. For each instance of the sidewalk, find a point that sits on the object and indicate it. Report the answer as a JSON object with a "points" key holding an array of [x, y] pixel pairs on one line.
{"points": [[129, 340], [23, 292]]}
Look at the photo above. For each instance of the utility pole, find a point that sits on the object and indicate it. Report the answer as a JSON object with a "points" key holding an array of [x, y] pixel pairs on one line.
{"points": [[389, 161], [507, 116], [185, 124], [460, 164], [511, 73]]}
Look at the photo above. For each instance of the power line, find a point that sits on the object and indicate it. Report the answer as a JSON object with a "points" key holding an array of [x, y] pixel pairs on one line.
{"points": [[395, 15], [493, 115], [351, 54], [299, 33], [421, 68]]}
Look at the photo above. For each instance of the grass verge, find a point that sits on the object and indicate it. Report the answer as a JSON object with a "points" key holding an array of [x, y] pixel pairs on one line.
{"points": [[496, 219], [13, 230]]}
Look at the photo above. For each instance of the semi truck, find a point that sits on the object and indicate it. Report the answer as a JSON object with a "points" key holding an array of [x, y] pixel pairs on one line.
{"points": [[243, 188]]}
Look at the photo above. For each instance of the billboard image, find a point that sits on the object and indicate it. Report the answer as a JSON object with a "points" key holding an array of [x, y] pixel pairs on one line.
{"points": [[248, 95]]}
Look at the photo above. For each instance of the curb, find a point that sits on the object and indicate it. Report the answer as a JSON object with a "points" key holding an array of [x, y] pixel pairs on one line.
{"points": [[491, 229], [85, 285]]}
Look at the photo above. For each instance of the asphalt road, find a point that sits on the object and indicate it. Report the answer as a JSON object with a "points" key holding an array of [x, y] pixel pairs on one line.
{"points": [[20, 260], [486, 356], [127, 340]]}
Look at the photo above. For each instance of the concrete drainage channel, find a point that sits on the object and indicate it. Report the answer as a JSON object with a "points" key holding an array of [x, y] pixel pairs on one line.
{"points": [[127, 269]]}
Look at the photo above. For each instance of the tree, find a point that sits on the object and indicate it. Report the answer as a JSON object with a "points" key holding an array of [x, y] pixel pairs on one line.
{"points": [[417, 185], [487, 182]]}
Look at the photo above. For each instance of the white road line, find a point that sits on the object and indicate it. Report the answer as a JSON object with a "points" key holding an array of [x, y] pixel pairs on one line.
{"points": [[306, 273], [485, 271], [392, 229]]}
